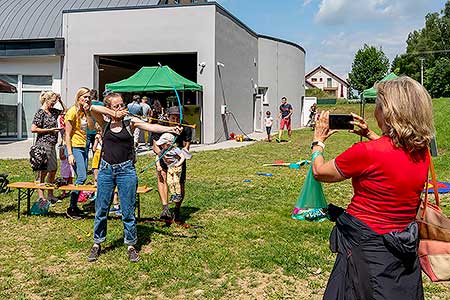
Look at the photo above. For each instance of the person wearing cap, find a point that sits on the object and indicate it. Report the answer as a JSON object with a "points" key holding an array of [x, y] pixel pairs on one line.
{"points": [[182, 141], [117, 170], [135, 109], [173, 157]]}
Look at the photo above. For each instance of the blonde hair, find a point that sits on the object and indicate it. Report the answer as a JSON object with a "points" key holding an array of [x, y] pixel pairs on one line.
{"points": [[46, 96], [81, 91], [107, 99], [407, 111]]}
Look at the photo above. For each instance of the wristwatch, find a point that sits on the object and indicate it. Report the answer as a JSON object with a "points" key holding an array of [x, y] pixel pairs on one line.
{"points": [[318, 143]]}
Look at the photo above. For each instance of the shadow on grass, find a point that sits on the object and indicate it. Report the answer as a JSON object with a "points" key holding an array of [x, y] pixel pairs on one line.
{"points": [[7, 208]]}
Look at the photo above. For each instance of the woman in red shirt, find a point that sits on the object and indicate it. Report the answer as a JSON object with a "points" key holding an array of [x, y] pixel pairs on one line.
{"points": [[376, 238]]}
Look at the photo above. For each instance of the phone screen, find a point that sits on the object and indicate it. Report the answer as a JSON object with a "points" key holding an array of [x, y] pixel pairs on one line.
{"points": [[341, 122]]}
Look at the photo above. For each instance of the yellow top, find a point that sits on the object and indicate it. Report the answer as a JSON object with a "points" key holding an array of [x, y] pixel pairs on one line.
{"points": [[79, 126]]}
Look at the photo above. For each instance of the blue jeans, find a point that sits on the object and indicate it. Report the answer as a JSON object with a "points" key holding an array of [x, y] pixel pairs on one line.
{"points": [[123, 176], [80, 169]]}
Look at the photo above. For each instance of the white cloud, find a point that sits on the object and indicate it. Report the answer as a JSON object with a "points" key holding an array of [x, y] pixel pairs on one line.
{"points": [[334, 12]]}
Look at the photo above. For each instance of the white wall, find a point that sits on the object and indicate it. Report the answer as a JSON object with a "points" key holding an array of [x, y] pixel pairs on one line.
{"points": [[141, 31], [46, 65], [323, 84], [237, 49], [281, 68]]}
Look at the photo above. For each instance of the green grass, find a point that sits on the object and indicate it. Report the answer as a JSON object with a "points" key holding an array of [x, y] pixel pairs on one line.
{"points": [[244, 245]]}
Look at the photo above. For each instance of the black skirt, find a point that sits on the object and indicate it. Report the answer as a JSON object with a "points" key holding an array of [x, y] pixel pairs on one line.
{"points": [[373, 266]]}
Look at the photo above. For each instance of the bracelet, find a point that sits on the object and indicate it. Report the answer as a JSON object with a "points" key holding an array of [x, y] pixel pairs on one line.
{"points": [[318, 143]]}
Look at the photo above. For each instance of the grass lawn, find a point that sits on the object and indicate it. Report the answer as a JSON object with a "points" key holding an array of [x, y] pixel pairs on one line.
{"points": [[244, 245]]}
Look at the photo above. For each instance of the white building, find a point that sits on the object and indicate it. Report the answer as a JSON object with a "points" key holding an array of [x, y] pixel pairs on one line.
{"points": [[322, 78], [64, 45]]}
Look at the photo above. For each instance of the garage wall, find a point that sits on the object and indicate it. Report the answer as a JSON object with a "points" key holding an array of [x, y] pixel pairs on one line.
{"points": [[186, 29], [282, 70], [237, 49]]}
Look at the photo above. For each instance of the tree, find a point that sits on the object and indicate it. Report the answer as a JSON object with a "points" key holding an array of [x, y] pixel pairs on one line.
{"points": [[437, 78], [369, 65]]}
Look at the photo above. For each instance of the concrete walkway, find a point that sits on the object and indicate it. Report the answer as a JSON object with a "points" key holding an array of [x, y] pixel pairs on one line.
{"points": [[20, 149]]}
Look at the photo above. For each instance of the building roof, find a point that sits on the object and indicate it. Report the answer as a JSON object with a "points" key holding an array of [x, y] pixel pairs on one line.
{"points": [[38, 19], [322, 68]]}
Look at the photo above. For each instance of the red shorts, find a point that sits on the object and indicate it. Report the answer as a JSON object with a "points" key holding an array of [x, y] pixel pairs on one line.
{"points": [[285, 122]]}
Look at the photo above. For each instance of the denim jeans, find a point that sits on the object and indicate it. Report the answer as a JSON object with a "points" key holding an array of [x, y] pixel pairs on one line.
{"points": [[123, 176], [80, 169]]}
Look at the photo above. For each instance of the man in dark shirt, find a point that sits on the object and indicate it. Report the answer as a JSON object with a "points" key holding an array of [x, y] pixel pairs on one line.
{"points": [[182, 141], [285, 116]]}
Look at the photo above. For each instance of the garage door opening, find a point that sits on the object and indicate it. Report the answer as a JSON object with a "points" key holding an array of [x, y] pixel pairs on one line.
{"points": [[113, 68]]}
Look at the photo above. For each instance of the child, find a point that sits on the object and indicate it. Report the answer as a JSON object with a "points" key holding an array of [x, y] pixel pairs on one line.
{"points": [[173, 157], [66, 170], [268, 121], [97, 148]]}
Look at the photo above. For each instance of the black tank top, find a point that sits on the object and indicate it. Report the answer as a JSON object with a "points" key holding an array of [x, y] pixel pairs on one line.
{"points": [[117, 147]]}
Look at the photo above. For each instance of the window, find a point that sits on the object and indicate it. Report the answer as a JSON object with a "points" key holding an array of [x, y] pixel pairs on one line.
{"points": [[329, 82], [320, 79], [25, 104], [314, 79]]}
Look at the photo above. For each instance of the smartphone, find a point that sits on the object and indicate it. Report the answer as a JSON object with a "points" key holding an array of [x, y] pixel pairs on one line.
{"points": [[340, 122]]}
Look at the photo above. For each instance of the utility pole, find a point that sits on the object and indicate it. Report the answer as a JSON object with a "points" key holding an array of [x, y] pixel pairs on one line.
{"points": [[421, 70]]}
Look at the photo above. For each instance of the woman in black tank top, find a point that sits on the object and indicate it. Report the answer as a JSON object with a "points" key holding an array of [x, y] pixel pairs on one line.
{"points": [[117, 170]]}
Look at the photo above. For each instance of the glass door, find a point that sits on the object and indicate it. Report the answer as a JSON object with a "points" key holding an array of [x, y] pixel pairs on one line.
{"points": [[8, 109]]}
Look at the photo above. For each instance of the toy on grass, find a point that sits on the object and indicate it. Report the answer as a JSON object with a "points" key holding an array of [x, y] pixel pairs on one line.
{"points": [[281, 163], [443, 187], [264, 174]]}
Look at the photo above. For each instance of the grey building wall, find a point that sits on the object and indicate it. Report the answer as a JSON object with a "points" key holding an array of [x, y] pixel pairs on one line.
{"points": [[188, 29], [281, 68], [237, 49]]}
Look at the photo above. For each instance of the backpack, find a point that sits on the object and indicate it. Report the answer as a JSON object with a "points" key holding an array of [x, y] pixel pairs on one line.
{"points": [[38, 158]]}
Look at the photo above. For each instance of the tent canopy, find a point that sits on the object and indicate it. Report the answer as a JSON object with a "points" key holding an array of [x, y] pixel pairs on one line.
{"points": [[372, 92], [5, 87], [150, 79]]}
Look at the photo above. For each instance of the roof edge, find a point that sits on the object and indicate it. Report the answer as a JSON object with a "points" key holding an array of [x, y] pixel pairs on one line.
{"points": [[328, 71]]}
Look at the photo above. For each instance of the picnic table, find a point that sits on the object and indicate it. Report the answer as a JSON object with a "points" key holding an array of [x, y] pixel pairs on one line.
{"points": [[26, 189]]}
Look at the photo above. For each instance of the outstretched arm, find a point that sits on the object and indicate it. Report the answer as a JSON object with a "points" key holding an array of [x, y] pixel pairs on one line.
{"points": [[157, 128]]}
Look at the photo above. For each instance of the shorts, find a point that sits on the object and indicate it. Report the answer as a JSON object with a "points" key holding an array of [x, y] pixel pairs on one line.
{"points": [[183, 170], [268, 129], [285, 122], [52, 162], [96, 159]]}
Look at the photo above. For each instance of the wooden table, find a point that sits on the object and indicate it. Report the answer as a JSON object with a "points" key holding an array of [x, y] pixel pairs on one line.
{"points": [[26, 189]]}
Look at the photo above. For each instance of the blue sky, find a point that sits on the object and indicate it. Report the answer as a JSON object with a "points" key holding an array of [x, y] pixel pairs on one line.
{"points": [[331, 31]]}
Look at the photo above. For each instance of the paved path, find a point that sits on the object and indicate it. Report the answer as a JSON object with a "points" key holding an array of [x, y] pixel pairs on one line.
{"points": [[20, 149]]}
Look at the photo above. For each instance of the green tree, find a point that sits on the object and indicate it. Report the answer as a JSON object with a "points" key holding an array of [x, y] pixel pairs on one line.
{"points": [[437, 78], [318, 93], [369, 65]]}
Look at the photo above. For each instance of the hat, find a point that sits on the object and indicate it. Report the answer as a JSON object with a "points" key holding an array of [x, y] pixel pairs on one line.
{"points": [[165, 138], [136, 98], [173, 110]]}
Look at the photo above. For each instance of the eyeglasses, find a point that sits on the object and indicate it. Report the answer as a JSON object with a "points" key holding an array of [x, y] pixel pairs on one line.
{"points": [[120, 105]]}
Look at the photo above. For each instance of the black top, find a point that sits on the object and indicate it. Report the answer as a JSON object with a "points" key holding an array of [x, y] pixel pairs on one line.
{"points": [[117, 147], [46, 120], [185, 136], [284, 109]]}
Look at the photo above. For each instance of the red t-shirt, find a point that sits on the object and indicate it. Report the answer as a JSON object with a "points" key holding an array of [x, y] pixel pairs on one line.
{"points": [[387, 183]]}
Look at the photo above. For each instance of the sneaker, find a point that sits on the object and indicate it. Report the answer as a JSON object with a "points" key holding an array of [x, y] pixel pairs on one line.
{"points": [[95, 253], [133, 255], [177, 198], [53, 200], [74, 213], [165, 214], [172, 198], [176, 214]]}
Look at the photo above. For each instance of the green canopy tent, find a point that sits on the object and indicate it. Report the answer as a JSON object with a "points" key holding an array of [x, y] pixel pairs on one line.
{"points": [[372, 92], [152, 79]]}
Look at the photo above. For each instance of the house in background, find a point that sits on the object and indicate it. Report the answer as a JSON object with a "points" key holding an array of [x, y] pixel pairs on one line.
{"points": [[322, 78]]}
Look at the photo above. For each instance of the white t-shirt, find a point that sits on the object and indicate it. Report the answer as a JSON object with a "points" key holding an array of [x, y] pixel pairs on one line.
{"points": [[268, 121]]}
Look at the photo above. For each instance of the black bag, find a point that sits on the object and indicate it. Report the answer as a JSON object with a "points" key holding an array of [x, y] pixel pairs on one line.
{"points": [[38, 158]]}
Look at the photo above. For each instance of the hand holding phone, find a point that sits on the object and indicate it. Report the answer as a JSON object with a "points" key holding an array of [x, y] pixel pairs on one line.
{"points": [[341, 122]]}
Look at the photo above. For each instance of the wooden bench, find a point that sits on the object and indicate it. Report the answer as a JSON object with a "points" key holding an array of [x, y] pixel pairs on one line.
{"points": [[26, 189]]}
